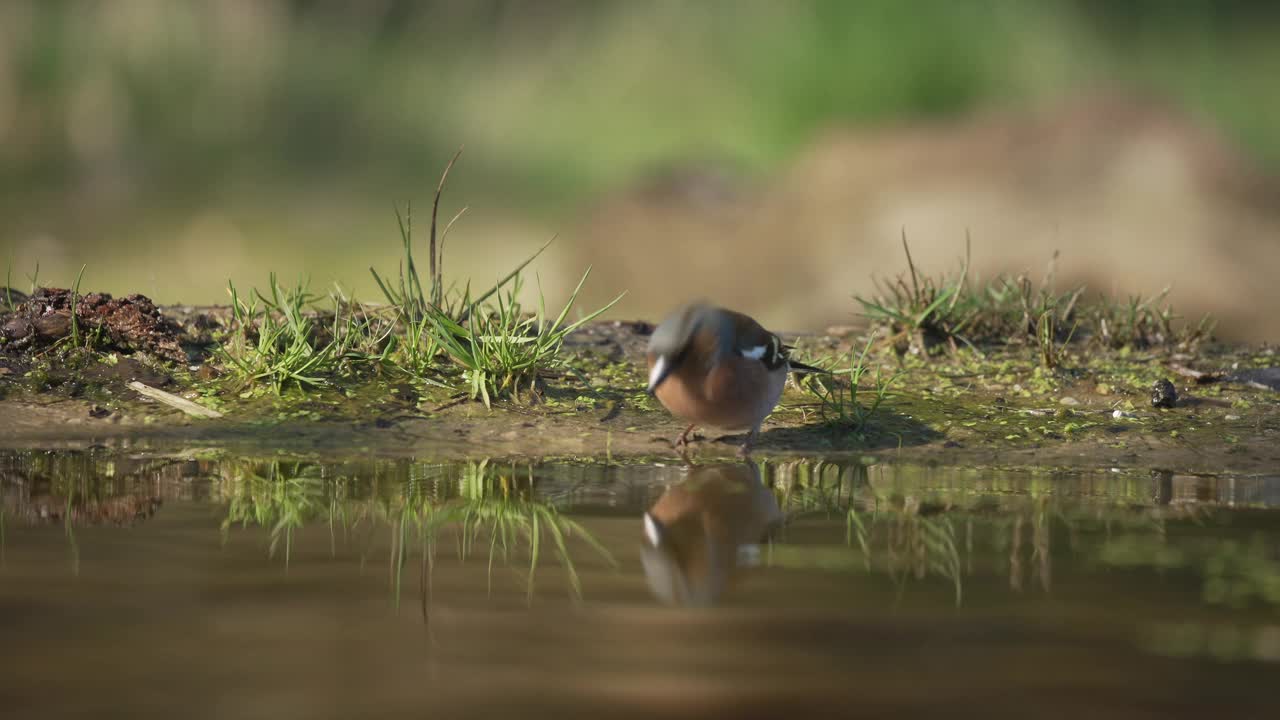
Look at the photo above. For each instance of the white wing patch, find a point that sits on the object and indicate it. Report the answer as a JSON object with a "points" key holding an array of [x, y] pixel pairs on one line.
{"points": [[659, 369], [772, 355]]}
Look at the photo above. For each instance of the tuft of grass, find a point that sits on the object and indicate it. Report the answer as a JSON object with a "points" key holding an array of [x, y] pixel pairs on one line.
{"points": [[922, 314], [837, 392], [497, 348], [501, 350], [920, 311], [426, 331], [363, 339], [273, 339], [1014, 310], [75, 317], [276, 338], [1052, 351], [1139, 322], [416, 309]]}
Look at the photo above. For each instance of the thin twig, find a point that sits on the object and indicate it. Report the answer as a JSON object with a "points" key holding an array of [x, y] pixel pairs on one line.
{"points": [[173, 401]]}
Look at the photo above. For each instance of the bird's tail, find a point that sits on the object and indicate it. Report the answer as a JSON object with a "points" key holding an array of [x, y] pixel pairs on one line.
{"points": [[803, 369]]}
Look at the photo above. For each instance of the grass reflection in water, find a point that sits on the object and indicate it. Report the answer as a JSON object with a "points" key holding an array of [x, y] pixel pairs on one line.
{"points": [[957, 531], [915, 523], [483, 508]]}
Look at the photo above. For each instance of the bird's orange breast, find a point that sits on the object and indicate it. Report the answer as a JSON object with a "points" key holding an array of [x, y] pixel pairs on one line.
{"points": [[734, 394]]}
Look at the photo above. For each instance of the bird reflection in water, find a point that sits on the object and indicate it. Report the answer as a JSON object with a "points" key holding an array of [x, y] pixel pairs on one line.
{"points": [[704, 529]]}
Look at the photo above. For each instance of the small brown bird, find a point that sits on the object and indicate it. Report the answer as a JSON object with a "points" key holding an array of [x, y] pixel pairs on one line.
{"points": [[717, 367]]}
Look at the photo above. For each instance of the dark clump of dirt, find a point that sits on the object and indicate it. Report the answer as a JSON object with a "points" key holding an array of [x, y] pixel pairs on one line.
{"points": [[129, 324], [1163, 394]]}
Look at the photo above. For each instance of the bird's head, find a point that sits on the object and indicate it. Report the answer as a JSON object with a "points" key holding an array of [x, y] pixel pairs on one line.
{"points": [[696, 332]]}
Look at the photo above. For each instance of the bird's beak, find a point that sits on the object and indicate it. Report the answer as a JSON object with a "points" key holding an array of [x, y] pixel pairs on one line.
{"points": [[659, 372]]}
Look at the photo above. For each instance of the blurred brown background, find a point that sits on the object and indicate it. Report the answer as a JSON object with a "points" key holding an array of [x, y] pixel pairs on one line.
{"points": [[767, 155]]}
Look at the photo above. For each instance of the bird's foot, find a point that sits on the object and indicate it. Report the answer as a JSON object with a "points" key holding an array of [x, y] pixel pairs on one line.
{"points": [[682, 442]]}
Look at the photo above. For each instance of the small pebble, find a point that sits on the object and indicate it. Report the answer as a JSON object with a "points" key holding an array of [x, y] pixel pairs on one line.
{"points": [[1068, 400], [1163, 394]]}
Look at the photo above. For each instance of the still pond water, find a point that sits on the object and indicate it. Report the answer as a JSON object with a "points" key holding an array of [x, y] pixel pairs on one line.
{"points": [[210, 585]]}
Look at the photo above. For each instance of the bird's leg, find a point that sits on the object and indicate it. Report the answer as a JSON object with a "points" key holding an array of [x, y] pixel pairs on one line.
{"points": [[683, 441]]}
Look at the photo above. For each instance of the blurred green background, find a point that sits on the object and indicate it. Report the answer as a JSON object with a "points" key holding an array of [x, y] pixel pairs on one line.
{"points": [[174, 144]]}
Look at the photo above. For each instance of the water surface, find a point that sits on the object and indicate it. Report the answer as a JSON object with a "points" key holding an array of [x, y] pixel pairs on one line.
{"points": [[208, 585]]}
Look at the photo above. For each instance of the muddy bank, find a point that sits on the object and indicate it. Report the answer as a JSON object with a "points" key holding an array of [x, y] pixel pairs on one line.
{"points": [[999, 408], [1232, 447]]}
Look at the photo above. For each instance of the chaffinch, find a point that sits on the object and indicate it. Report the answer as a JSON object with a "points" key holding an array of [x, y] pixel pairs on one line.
{"points": [[717, 367], [703, 530]]}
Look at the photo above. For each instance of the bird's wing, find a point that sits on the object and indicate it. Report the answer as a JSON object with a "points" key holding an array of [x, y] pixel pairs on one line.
{"points": [[751, 340]]}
